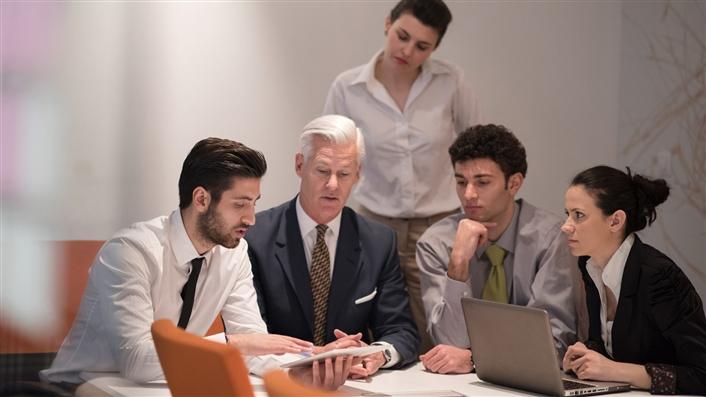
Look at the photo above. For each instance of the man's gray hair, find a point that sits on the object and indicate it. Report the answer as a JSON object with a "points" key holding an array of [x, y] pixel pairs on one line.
{"points": [[336, 129]]}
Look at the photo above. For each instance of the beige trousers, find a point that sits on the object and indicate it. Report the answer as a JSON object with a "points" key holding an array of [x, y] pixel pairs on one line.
{"points": [[409, 230]]}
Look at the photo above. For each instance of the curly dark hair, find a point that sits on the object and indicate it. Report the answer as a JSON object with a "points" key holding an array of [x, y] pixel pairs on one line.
{"points": [[213, 163], [494, 142]]}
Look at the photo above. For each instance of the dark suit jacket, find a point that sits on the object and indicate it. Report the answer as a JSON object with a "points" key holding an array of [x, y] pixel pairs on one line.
{"points": [[366, 261], [659, 319]]}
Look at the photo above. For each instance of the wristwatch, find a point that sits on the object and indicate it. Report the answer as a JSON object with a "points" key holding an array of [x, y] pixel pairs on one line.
{"points": [[385, 353]]}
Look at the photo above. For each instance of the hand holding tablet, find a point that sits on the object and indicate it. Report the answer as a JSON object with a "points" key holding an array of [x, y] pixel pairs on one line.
{"points": [[352, 351]]}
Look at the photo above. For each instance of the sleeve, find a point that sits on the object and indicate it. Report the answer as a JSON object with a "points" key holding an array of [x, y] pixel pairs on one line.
{"points": [[391, 320], [394, 355], [441, 295], [259, 365], [335, 100], [466, 110], [556, 289], [662, 378], [123, 276], [257, 274], [241, 313], [679, 315]]}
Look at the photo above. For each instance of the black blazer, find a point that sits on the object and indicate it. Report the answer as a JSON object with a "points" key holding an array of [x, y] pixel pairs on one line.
{"points": [[366, 261], [659, 319]]}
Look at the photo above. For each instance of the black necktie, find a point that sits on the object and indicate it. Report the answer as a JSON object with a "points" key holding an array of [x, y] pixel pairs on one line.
{"points": [[187, 293]]}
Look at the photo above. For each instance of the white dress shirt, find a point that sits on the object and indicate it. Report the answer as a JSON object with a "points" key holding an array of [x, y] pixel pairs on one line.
{"points": [[407, 172], [136, 278], [307, 227], [611, 276]]}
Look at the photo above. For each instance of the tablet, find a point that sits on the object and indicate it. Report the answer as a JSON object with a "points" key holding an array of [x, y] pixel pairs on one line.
{"points": [[352, 351]]}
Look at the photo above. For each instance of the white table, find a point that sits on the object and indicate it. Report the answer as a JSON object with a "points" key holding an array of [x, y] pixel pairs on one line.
{"points": [[412, 379]]}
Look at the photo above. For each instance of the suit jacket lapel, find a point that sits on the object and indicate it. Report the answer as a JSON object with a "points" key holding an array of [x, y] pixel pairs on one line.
{"points": [[626, 302], [289, 251], [347, 264]]}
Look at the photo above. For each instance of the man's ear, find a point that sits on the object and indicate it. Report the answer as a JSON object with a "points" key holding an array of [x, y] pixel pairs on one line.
{"points": [[514, 182], [356, 173], [617, 221], [200, 199], [388, 23], [298, 164]]}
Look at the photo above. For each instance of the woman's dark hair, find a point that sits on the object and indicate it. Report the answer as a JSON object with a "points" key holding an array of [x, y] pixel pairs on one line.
{"points": [[494, 142], [433, 13], [615, 190], [213, 163]]}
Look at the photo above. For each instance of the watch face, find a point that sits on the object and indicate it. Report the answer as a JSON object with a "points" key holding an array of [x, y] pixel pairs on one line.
{"points": [[387, 354]]}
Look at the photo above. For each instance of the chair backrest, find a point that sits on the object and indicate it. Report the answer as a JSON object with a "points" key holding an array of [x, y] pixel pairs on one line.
{"points": [[73, 261], [194, 366], [73, 258], [279, 384]]}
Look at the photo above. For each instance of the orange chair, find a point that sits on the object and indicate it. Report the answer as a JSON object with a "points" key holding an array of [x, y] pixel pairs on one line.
{"points": [[279, 384], [194, 366], [73, 261]]}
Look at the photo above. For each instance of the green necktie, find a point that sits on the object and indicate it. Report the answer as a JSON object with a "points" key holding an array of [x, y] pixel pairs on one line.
{"points": [[495, 288]]}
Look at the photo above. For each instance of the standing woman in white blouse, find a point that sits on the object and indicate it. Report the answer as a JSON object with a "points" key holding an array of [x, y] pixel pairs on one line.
{"points": [[646, 321], [410, 108]]}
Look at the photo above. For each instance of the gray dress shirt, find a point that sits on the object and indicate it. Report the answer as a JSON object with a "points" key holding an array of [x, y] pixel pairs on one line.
{"points": [[539, 270]]}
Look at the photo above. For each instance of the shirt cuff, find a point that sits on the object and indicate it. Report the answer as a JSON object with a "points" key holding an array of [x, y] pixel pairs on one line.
{"points": [[455, 290], [394, 354], [258, 365], [664, 378]]}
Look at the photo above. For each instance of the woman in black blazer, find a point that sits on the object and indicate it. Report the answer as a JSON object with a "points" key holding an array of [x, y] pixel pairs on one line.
{"points": [[646, 321]]}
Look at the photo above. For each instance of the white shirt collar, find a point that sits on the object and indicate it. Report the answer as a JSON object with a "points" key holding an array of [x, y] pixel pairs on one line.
{"points": [[183, 248], [612, 274], [367, 74], [613, 271], [307, 225]]}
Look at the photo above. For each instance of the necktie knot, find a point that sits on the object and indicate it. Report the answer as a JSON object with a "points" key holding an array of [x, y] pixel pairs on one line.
{"points": [[196, 264], [495, 254], [321, 231]]}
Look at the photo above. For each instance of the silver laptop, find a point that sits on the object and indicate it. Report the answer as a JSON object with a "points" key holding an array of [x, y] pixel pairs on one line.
{"points": [[513, 346]]}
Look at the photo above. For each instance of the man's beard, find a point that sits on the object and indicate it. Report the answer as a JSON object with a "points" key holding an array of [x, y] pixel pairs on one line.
{"points": [[212, 229]]}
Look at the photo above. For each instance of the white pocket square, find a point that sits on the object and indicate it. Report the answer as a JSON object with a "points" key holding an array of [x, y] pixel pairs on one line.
{"points": [[366, 298]]}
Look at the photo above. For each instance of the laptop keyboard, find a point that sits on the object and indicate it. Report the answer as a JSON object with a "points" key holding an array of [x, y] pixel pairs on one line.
{"points": [[572, 385]]}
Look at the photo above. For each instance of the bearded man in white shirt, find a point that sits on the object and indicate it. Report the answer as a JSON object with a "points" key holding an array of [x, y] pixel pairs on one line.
{"points": [[140, 274]]}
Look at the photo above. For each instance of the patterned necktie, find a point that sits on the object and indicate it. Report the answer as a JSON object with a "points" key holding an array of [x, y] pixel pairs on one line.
{"points": [[320, 280], [187, 293], [495, 287]]}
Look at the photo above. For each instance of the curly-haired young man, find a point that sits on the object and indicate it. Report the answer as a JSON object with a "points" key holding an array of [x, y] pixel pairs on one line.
{"points": [[498, 249]]}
